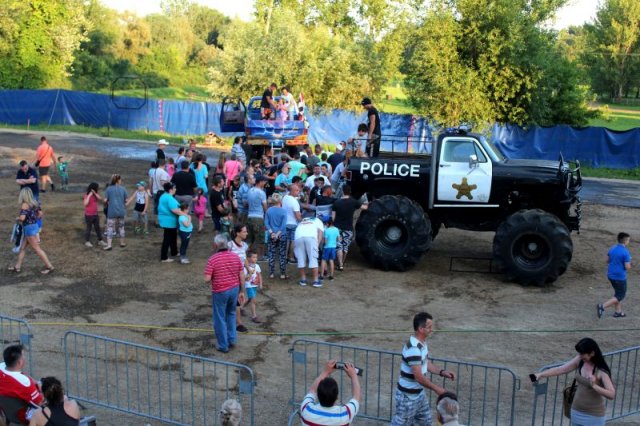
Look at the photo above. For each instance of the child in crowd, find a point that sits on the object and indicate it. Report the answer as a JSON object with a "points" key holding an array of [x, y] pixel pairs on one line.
{"points": [[62, 171], [200, 207], [185, 230], [226, 222], [171, 167], [282, 110], [91, 218], [331, 238], [140, 209], [253, 281]]}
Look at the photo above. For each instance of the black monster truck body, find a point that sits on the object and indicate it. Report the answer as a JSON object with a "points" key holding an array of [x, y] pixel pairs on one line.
{"points": [[468, 184]]}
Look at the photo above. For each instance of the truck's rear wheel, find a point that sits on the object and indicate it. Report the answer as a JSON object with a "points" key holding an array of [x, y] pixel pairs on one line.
{"points": [[393, 233], [532, 247]]}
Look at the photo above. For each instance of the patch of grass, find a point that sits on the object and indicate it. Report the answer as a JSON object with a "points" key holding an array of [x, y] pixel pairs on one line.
{"points": [[632, 174], [186, 93], [396, 101], [115, 133]]}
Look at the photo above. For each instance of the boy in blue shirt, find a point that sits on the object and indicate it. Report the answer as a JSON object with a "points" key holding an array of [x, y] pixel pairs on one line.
{"points": [[619, 261], [62, 171], [185, 228], [331, 238]]}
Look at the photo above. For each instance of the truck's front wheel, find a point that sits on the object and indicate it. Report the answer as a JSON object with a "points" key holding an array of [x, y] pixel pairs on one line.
{"points": [[393, 233], [532, 247]]}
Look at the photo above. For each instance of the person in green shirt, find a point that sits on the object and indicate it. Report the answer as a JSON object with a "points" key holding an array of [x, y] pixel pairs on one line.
{"points": [[62, 171]]}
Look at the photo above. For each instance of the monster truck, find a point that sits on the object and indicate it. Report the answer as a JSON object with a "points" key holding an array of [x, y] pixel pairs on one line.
{"points": [[461, 180], [280, 135]]}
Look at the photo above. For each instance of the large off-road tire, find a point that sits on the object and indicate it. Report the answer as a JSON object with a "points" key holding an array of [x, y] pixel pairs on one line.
{"points": [[532, 247], [393, 233]]}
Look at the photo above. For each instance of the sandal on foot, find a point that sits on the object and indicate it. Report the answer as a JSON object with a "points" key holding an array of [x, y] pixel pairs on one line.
{"points": [[14, 269], [46, 271], [619, 315]]}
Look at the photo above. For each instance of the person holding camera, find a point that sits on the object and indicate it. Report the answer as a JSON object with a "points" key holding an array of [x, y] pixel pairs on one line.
{"points": [[319, 406]]}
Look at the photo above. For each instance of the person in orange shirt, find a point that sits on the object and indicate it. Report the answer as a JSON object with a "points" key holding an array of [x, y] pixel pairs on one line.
{"points": [[44, 158]]}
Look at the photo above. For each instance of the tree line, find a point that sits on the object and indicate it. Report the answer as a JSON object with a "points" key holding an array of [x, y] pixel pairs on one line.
{"points": [[459, 60]]}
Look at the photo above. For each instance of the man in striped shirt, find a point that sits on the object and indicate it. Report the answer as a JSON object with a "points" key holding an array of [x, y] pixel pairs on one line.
{"points": [[412, 406], [319, 407], [225, 273]]}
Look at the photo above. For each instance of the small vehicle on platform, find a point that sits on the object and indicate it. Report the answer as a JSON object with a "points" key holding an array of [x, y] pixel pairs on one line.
{"points": [[461, 180], [278, 135]]}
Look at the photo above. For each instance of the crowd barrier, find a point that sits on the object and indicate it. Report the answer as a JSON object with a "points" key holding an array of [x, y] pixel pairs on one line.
{"points": [[16, 331], [547, 401], [166, 386], [486, 392]]}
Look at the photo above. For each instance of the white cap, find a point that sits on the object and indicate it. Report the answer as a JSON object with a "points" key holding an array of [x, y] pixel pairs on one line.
{"points": [[338, 147], [163, 142]]}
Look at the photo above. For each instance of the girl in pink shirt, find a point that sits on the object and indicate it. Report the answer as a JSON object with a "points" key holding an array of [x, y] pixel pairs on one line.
{"points": [[200, 207], [91, 218]]}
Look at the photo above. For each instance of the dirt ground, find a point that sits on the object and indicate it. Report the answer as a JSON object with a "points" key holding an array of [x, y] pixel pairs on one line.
{"points": [[131, 286]]}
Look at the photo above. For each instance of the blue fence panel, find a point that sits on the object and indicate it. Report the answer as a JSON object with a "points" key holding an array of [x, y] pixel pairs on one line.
{"points": [[594, 146]]}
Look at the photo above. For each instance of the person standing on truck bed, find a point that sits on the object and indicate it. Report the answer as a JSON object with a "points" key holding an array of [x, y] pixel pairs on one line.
{"points": [[267, 104], [374, 134]]}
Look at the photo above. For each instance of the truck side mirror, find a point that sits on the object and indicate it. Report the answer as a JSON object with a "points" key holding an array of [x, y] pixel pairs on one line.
{"points": [[473, 161]]}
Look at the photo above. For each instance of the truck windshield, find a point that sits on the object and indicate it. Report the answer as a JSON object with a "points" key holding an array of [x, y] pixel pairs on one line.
{"points": [[493, 151]]}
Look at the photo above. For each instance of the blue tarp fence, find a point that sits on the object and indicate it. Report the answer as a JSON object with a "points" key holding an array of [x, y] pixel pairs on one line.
{"points": [[594, 146], [65, 107]]}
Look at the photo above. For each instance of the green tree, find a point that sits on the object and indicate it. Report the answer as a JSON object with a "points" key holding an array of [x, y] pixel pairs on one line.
{"points": [[331, 70], [496, 55], [613, 47], [38, 40]]}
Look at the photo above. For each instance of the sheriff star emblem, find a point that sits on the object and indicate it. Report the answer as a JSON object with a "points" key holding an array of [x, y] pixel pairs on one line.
{"points": [[464, 189]]}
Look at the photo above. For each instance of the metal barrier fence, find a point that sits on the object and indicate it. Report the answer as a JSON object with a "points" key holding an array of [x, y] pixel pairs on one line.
{"points": [[486, 392], [623, 365], [171, 387], [15, 331]]}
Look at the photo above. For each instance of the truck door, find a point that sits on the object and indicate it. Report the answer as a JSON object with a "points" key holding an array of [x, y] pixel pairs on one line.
{"points": [[232, 113], [464, 172]]}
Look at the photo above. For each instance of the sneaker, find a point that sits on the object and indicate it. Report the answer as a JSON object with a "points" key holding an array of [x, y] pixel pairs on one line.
{"points": [[257, 320], [242, 328], [321, 277], [168, 260], [224, 351], [88, 244], [107, 248], [292, 261], [102, 243], [600, 309], [619, 315], [185, 261], [53, 188], [303, 283], [330, 277], [317, 284]]}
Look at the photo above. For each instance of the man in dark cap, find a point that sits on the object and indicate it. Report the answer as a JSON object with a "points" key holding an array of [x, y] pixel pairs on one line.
{"points": [[374, 134]]}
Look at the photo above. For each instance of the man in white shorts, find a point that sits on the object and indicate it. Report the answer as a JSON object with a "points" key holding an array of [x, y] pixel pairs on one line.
{"points": [[307, 240]]}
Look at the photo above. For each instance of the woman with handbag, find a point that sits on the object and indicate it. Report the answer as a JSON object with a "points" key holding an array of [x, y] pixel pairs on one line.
{"points": [[592, 384]]}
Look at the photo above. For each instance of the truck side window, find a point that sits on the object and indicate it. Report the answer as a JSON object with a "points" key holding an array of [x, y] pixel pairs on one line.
{"points": [[459, 152]]}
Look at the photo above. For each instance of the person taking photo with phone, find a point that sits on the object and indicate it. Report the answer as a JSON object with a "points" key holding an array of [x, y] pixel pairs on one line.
{"points": [[319, 405]]}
